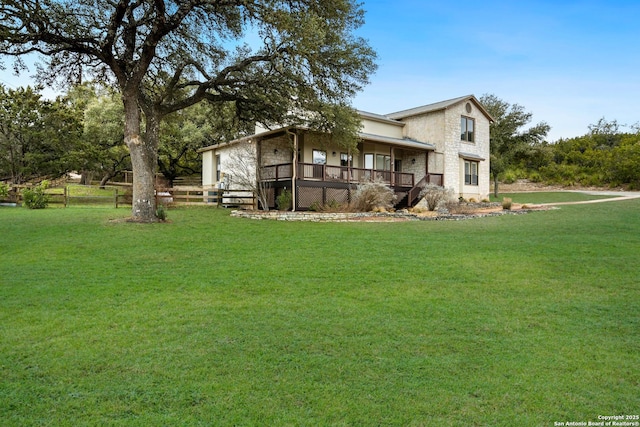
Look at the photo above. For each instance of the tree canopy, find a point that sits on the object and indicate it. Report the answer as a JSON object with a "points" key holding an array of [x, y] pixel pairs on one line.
{"points": [[35, 134], [269, 59], [510, 138]]}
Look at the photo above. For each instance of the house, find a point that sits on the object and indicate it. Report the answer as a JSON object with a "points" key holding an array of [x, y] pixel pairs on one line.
{"points": [[446, 143]]}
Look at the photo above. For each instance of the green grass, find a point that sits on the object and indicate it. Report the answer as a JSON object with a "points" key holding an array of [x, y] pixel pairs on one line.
{"points": [[211, 320], [548, 197]]}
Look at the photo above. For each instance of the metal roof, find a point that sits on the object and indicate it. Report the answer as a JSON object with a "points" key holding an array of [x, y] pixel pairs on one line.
{"points": [[379, 118], [407, 143], [471, 156], [442, 105]]}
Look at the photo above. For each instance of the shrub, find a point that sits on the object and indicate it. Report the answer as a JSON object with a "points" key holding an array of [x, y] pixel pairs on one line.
{"points": [[372, 196], [161, 213], [4, 190], [284, 200], [36, 198], [509, 177], [535, 176], [506, 203], [458, 207], [433, 195], [331, 206]]}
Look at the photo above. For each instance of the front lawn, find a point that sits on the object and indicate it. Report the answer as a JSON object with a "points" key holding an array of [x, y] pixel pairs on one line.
{"points": [[211, 320]]}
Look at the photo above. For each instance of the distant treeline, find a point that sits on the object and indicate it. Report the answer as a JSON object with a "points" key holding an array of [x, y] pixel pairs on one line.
{"points": [[603, 157]]}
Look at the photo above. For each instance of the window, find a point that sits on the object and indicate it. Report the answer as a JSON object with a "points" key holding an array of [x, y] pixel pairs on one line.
{"points": [[467, 125], [218, 167], [383, 163], [346, 159], [470, 172], [319, 157], [368, 161]]}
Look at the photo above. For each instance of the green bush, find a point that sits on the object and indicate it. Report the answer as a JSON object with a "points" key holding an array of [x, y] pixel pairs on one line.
{"points": [[535, 176], [510, 177], [161, 213], [36, 197], [284, 200], [4, 190]]}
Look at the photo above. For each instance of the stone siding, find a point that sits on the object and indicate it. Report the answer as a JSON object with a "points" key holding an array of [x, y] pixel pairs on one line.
{"points": [[276, 151]]}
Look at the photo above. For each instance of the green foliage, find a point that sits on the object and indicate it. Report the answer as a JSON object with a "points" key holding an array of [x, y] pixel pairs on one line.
{"points": [[284, 200], [509, 177], [36, 135], [102, 151], [36, 197], [511, 141], [167, 56], [161, 213], [371, 196], [595, 159], [4, 190]]}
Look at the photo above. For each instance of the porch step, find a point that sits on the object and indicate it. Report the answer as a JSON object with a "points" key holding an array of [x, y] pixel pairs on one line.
{"points": [[403, 202]]}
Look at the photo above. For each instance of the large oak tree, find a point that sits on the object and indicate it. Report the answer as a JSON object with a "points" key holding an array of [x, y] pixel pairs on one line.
{"points": [[167, 55]]}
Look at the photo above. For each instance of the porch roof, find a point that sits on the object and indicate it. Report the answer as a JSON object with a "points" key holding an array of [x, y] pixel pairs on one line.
{"points": [[398, 142], [471, 156]]}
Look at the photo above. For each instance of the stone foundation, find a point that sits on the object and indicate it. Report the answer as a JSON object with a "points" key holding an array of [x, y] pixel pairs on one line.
{"points": [[362, 216]]}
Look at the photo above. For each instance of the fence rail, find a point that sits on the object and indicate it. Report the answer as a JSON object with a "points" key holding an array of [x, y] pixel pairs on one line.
{"points": [[120, 195]]}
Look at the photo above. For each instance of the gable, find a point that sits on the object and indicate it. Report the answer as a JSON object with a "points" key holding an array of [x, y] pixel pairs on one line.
{"points": [[440, 106]]}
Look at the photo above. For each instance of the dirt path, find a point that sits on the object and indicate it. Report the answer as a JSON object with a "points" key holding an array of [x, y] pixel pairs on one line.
{"points": [[585, 202], [525, 186]]}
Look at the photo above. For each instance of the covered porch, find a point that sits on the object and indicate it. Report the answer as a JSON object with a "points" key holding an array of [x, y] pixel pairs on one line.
{"points": [[323, 184]]}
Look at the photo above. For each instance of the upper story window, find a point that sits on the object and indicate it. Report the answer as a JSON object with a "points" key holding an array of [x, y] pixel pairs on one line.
{"points": [[467, 127]]}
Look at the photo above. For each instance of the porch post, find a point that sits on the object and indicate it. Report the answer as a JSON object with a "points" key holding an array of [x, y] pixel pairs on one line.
{"points": [[393, 166], [294, 170]]}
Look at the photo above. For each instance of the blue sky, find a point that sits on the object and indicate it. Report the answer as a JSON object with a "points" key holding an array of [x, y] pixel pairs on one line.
{"points": [[568, 62]]}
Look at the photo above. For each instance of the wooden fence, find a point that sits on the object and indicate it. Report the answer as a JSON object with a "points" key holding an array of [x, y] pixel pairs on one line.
{"points": [[120, 195]]}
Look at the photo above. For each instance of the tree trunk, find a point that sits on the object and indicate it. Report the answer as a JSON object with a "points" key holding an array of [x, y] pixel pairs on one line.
{"points": [[495, 185], [105, 179], [143, 160], [85, 177]]}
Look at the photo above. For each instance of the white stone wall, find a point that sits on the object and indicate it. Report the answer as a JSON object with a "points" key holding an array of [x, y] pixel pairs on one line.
{"points": [[276, 151], [442, 129], [429, 128], [419, 168]]}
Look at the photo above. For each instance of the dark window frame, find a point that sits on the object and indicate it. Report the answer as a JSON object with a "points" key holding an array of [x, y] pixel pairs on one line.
{"points": [[466, 134], [471, 172], [313, 156], [346, 160]]}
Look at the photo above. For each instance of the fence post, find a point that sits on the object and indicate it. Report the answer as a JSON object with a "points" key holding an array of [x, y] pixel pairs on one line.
{"points": [[115, 199], [66, 195]]}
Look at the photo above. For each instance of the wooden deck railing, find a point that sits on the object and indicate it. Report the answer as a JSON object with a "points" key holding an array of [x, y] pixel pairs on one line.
{"points": [[313, 172]]}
